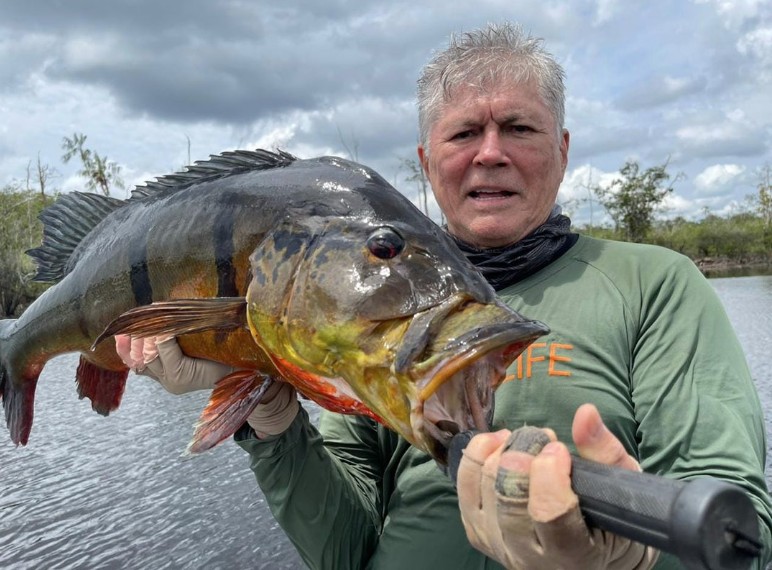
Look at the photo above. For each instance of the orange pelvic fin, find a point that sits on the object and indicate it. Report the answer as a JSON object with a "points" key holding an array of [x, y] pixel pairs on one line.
{"points": [[178, 317], [103, 387], [232, 400]]}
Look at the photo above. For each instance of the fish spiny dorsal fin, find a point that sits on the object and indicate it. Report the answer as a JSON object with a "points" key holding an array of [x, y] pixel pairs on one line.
{"points": [[218, 166], [65, 223]]}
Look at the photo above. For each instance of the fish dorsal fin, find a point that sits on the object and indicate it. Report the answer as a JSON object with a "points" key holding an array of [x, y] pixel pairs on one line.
{"points": [[218, 166], [65, 223]]}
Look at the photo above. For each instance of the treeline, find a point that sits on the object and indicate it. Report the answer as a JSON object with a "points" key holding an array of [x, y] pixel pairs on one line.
{"points": [[738, 239]]}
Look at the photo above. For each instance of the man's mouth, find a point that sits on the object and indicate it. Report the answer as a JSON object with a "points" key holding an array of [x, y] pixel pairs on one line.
{"points": [[490, 194]]}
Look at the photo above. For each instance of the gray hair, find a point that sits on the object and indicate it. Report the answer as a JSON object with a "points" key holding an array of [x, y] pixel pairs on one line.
{"points": [[485, 57]]}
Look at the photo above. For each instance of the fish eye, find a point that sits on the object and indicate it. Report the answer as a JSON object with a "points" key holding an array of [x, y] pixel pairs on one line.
{"points": [[385, 243]]}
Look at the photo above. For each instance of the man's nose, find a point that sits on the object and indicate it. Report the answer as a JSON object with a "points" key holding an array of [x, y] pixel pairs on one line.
{"points": [[491, 151]]}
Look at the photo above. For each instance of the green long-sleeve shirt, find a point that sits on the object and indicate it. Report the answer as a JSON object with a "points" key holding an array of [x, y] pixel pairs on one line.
{"points": [[635, 329]]}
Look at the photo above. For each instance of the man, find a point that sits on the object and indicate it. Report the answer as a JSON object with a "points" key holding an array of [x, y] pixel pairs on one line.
{"points": [[636, 331]]}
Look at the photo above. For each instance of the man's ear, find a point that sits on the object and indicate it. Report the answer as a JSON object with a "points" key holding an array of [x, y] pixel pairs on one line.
{"points": [[423, 159], [564, 148]]}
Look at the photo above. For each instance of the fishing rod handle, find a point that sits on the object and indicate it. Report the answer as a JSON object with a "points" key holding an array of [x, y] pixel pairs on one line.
{"points": [[707, 523]]}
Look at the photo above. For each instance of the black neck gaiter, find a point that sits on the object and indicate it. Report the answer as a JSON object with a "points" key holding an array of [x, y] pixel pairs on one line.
{"points": [[505, 266]]}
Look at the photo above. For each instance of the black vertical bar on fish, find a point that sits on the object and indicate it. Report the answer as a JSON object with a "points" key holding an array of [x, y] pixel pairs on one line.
{"points": [[224, 248], [707, 523], [138, 273]]}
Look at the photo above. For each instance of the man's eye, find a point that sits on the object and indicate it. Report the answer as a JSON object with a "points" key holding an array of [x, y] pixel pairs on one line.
{"points": [[462, 135], [520, 129]]}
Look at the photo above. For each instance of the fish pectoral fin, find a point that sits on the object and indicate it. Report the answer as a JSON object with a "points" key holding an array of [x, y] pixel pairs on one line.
{"points": [[232, 400], [178, 317]]}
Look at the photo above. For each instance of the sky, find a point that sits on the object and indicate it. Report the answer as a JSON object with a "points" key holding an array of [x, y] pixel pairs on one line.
{"points": [[155, 85]]}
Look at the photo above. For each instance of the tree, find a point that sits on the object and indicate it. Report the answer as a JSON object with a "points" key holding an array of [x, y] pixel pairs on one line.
{"points": [[633, 199], [99, 172], [42, 173], [763, 200]]}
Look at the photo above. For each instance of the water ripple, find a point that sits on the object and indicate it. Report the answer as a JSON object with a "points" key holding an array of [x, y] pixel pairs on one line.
{"points": [[96, 492]]}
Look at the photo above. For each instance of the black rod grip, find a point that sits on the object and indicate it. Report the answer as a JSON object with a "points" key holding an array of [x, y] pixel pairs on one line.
{"points": [[706, 522]]}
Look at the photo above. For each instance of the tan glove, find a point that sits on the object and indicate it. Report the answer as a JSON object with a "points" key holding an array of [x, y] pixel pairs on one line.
{"points": [[277, 413], [518, 507], [161, 359]]}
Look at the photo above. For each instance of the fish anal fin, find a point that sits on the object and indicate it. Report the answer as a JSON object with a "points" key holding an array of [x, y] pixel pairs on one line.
{"points": [[103, 387], [232, 400], [178, 317]]}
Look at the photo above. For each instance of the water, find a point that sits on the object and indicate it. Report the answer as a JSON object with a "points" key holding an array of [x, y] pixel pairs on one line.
{"points": [[116, 492], [748, 302]]}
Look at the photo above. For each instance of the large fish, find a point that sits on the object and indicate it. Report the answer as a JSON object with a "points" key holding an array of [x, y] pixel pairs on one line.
{"points": [[315, 272]]}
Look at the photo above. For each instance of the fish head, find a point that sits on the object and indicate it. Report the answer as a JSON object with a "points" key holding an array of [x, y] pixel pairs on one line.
{"points": [[384, 313]]}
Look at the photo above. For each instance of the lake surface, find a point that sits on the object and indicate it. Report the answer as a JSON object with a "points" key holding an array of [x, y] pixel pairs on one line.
{"points": [[117, 492]]}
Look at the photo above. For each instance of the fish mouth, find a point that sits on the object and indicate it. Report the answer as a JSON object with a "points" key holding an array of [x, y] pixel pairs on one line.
{"points": [[457, 380]]}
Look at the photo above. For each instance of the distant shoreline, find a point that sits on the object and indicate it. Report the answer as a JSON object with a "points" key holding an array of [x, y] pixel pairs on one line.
{"points": [[719, 265]]}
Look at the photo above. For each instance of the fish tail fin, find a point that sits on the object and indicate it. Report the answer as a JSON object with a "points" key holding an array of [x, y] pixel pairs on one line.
{"points": [[16, 391], [103, 387], [232, 400]]}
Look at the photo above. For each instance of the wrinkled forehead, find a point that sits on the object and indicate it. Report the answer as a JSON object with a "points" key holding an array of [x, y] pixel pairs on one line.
{"points": [[504, 102]]}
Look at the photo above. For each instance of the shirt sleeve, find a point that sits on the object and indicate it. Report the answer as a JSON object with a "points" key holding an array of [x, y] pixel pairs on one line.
{"points": [[697, 408], [323, 492]]}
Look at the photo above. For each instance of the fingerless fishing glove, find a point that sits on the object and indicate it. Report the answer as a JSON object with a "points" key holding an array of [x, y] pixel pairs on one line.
{"points": [[500, 526], [177, 373], [180, 374], [276, 415]]}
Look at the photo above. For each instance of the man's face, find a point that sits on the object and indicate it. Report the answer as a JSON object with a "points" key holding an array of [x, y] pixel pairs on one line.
{"points": [[495, 162]]}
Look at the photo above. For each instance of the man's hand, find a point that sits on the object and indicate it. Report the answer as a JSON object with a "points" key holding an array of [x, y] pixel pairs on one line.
{"points": [[276, 413], [161, 359], [518, 507]]}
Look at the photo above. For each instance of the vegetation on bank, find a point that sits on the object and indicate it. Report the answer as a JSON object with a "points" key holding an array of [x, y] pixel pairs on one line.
{"points": [[739, 239], [20, 231], [635, 202], [20, 205]]}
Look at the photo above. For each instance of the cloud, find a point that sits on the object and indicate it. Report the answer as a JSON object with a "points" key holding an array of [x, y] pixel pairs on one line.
{"points": [[605, 11], [735, 13], [577, 196], [578, 182], [716, 178], [675, 205], [730, 135], [233, 64], [757, 45], [655, 91]]}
